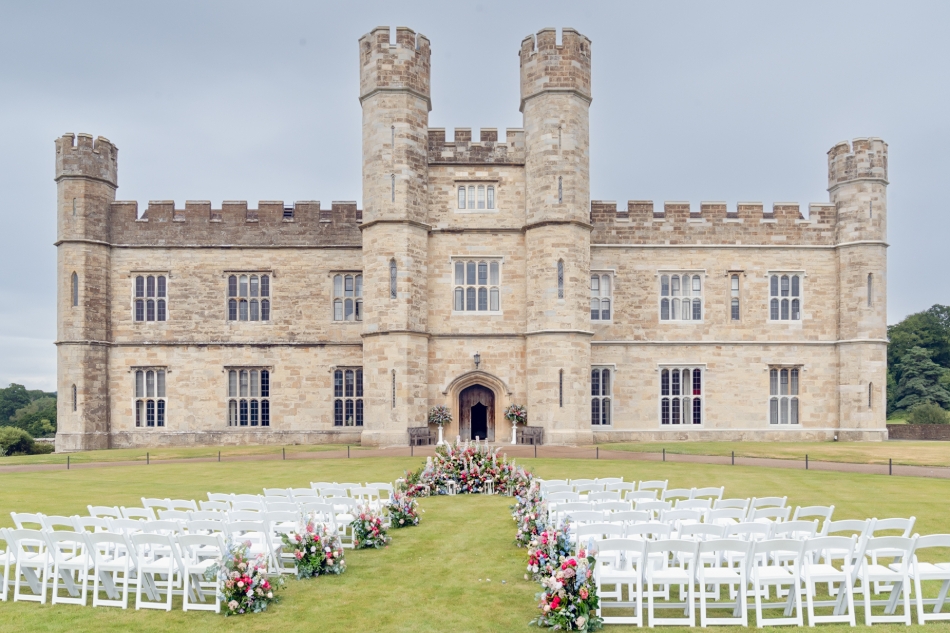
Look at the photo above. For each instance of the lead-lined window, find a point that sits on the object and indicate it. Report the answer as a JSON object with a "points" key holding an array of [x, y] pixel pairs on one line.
{"points": [[348, 297], [249, 397], [681, 395], [477, 286], [681, 297], [601, 291], [600, 396], [734, 299], [476, 197], [150, 404], [249, 297], [348, 396], [151, 298], [783, 395], [785, 297]]}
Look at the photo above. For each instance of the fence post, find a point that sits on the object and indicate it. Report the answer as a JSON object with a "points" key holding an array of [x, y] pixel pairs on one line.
{"points": [[733, 458], [412, 451], [806, 461], [890, 466], [283, 451], [535, 451], [219, 456], [146, 458], [67, 462], [664, 454], [598, 453], [347, 451]]}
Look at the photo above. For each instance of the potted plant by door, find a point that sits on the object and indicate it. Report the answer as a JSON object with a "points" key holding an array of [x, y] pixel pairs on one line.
{"points": [[516, 414], [440, 416]]}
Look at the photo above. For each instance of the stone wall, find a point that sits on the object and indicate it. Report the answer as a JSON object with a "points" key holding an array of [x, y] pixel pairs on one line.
{"points": [[940, 432]]}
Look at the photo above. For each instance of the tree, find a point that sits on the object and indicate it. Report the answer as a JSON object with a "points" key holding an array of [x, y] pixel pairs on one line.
{"points": [[929, 329], [12, 398], [920, 381], [37, 418]]}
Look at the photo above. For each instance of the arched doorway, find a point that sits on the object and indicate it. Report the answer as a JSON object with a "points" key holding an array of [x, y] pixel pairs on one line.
{"points": [[477, 413]]}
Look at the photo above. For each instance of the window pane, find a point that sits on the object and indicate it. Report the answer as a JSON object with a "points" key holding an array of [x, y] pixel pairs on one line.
{"points": [[605, 382], [687, 309], [140, 310], [785, 309], [139, 412], [160, 421], [773, 411], [605, 309], [161, 286], [232, 310], [665, 382], [150, 384], [255, 285], [338, 285], [244, 383], [697, 411], [75, 281], [243, 407], [697, 285], [481, 196], [735, 309], [255, 310], [783, 377], [491, 197], [461, 201], [773, 309], [140, 384], [675, 380], [470, 273], [796, 313], [794, 413], [665, 286], [595, 382], [697, 310], [265, 310], [140, 286], [149, 413], [675, 410], [349, 413], [482, 273], [665, 310], [348, 310], [773, 286], [150, 310], [595, 411], [686, 286], [605, 411], [794, 390], [674, 309], [795, 285], [483, 299], [265, 412], [665, 411], [232, 413], [232, 384], [255, 412], [161, 310], [493, 268], [697, 382], [735, 285], [459, 273], [160, 383], [150, 286], [494, 300], [471, 197], [242, 285], [605, 286], [784, 285], [773, 382], [348, 383], [348, 286], [595, 309], [337, 309], [359, 413], [359, 309], [687, 410], [265, 285], [675, 285], [242, 310], [337, 413], [232, 286], [459, 299], [595, 286], [783, 411], [359, 383], [255, 384], [470, 298], [265, 383], [338, 384]]}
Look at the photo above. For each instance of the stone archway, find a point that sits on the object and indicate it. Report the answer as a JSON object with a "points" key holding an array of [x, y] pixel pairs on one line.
{"points": [[453, 389], [477, 413]]}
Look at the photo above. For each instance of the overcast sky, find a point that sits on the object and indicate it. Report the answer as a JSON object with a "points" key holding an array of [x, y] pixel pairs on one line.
{"points": [[258, 101]]}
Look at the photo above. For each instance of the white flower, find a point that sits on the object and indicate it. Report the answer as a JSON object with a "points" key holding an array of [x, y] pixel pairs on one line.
{"points": [[313, 549]]}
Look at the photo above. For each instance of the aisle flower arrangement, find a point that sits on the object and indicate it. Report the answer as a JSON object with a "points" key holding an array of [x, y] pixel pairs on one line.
{"points": [[568, 600], [547, 550], [317, 549], [245, 586], [368, 530], [468, 466], [530, 512], [403, 510]]}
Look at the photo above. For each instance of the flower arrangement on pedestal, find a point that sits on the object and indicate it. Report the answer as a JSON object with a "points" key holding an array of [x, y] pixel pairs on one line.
{"points": [[568, 600], [317, 550], [440, 416], [516, 414], [467, 467], [546, 551], [368, 530], [403, 510], [245, 586]]}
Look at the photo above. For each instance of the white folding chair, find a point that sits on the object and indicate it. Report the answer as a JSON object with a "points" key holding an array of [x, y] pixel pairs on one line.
{"points": [[214, 506], [207, 515], [670, 562], [766, 502], [588, 535], [258, 534], [639, 495], [609, 480], [303, 494], [188, 505], [655, 507], [619, 565], [612, 506], [126, 526], [71, 564], [769, 515], [721, 504], [677, 518], [174, 515], [53, 523], [91, 524], [220, 497], [622, 487], [7, 559], [604, 496], [711, 493], [146, 514], [716, 575], [246, 515], [725, 516], [847, 527], [922, 571], [901, 549], [581, 482], [245, 497], [206, 527], [656, 485], [693, 504], [155, 503], [630, 517], [813, 512], [587, 489], [198, 553], [337, 492], [557, 488], [280, 506], [112, 564], [767, 572], [255, 505], [155, 556], [27, 520], [32, 564], [105, 511], [676, 493], [281, 493], [815, 571], [385, 489], [904, 527]]}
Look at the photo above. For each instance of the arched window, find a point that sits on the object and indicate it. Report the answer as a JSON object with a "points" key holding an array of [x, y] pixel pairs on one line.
{"points": [[481, 196], [75, 289], [560, 279], [75, 398], [461, 203], [491, 197], [681, 395], [870, 289], [681, 297], [392, 278], [785, 292], [150, 403], [245, 297], [471, 196], [560, 189], [783, 395], [347, 297]]}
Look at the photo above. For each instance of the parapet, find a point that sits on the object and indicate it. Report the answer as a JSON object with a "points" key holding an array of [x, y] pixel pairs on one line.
{"points": [[547, 67], [79, 156], [400, 66], [271, 224], [863, 158], [486, 150]]}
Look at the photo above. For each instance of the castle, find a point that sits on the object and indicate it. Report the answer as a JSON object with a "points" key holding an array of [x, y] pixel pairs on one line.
{"points": [[478, 274]]}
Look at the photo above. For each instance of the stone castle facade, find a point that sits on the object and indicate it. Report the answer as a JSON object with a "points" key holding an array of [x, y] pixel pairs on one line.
{"points": [[300, 323]]}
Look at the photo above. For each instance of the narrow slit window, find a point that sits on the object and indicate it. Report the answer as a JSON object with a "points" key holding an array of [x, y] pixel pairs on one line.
{"points": [[75, 289], [392, 180], [870, 289], [560, 189], [560, 279], [392, 279]]}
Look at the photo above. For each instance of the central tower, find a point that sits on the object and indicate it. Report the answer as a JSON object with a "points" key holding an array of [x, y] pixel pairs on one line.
{"points": [[394, 93], [555, 102]]}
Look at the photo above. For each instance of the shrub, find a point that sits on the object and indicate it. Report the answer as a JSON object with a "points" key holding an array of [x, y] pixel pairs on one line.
{"points": [[14, 441], [42, 448], [927, 413]]}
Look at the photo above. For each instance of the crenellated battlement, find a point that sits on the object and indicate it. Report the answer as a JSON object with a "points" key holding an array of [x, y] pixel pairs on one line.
{"points": [[463, 150], [643, 222], [272, 223], [863, 158], [80, 156], [547, 67], [391, 67]]}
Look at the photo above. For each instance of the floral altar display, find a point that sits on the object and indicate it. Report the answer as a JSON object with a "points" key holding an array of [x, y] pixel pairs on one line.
{"points": [[568, 600], [245, 585], [440, 416], [317, 549], [368, 530], [466, 468], [403, 510], [516, 414]]}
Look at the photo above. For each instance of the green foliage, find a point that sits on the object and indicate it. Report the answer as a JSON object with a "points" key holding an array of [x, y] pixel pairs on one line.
{"points": [[919, 381], [927, 413], [15, 441], [37, 418], [12, 398], [891, 391], [929, 329]]}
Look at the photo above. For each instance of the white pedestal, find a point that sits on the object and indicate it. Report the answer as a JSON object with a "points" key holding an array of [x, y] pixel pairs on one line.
{"points": [[514, 433], [441, 441]]}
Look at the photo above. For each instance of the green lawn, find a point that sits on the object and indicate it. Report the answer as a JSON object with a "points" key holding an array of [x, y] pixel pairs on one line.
{"points": [[434, 577], [175, 452], [917, 453]]}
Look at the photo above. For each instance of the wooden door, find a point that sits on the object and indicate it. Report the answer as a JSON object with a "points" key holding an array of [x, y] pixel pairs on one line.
{"points": [[477, 395]]}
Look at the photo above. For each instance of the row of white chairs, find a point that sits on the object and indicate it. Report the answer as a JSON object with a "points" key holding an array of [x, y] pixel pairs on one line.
{"points": [[761, 510], [648, 568], [746, 506]]}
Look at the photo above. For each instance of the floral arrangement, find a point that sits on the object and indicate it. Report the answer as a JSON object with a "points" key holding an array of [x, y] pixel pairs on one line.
{"points": [[440, 415], [317, 549], [530, 512], [516, 414], [546, 550], [245, 586], [368, 530], [469, 466], [568, 599], [403, 510]]}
